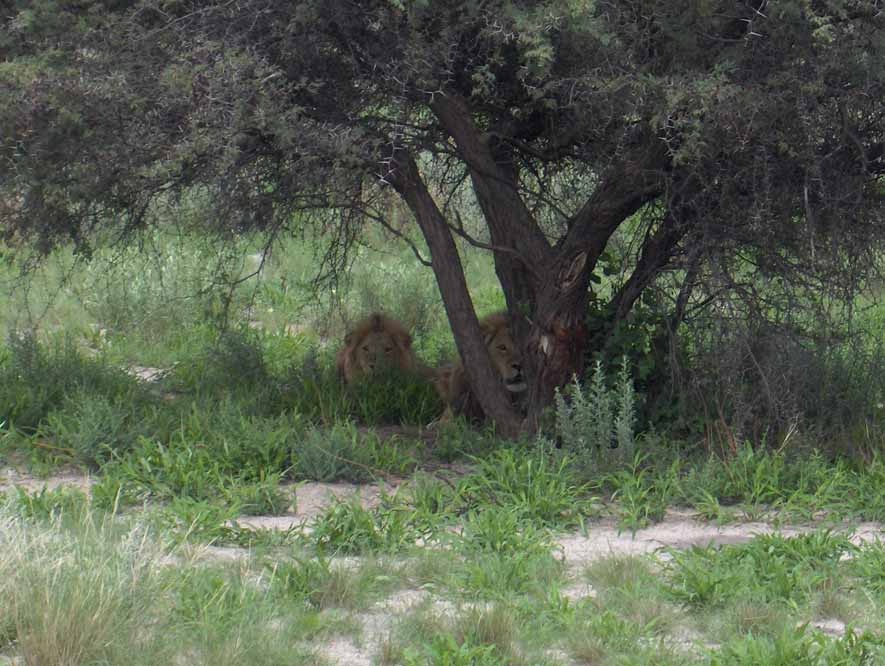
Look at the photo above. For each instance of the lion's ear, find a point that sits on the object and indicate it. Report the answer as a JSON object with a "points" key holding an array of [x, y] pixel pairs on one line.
{"points": [[349, 338], [377, 322]]}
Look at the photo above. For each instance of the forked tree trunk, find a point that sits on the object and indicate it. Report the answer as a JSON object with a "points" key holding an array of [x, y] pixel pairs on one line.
{"points": [[546, 287], [446, 263]]}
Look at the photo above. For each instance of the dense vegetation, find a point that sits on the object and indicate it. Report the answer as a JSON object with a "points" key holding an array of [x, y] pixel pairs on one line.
{"points": [[680, 204], [722, 159]]}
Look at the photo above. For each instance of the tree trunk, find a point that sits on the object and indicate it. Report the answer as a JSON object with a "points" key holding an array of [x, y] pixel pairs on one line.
{"points": [[546, 288], [487, 386]]}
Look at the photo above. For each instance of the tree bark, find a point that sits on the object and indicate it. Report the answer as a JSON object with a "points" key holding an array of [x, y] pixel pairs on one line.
{"points": [[546, 287], [486, 384]]}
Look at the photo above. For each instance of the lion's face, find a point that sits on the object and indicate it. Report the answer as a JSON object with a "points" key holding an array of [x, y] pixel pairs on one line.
{"points": [[506, 360], [452, 382], [378, 349], [376, 342]]}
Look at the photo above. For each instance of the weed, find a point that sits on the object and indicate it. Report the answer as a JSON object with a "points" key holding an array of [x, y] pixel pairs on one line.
{"points": [[534, 485], [34, 379], [641, 495], [597, 424], [188, 519], [502, 530], [391, 396], [323, 585], [244, 445], [799, 647], [769, 567], [95, 428], [50, 504], [346, 527], [110, 493], [434, 501], [445, 649], [504, 554], [259, 498], [343, 452], [868, 565], [478, 637], [170, 471], [598, 636]]}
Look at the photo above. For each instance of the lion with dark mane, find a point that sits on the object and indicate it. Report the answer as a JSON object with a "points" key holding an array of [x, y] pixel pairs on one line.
{"points": [[375, 342], [452, 382]]}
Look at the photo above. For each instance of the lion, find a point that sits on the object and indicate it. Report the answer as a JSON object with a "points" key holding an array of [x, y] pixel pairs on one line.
{"points": [[451, 382], [377, 341]]}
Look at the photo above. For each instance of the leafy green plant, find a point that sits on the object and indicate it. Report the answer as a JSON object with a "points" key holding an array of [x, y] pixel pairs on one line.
{"points": [[770, 567], [35, 379], [502, 530], [446, 650], [189, 519], [799, 647], [868, 565], [346, 527], [534, 484], [598, 635], [433, 500], [391, 396], [258, 498], [110, 492], [170, 471], [343, 452], [597, 423], [50, 503], [233, 364], [94, 428], [503, 553], [640, 494], [209, 595], [323, 584]]}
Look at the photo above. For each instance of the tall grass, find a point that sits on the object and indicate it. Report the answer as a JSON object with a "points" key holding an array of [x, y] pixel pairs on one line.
{"points": [[99, 592]]}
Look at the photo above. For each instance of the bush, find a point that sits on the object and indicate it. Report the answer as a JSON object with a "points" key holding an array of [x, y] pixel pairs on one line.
{"points": [[95, 428], [596, 424], [36, 379], [760, 382]]}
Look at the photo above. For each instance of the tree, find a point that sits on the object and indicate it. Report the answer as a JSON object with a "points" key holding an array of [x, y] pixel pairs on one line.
{"points": [[716, 139]]}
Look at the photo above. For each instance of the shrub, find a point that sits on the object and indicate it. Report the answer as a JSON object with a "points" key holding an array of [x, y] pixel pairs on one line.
{"points": [[597, 423], [35, 379]]}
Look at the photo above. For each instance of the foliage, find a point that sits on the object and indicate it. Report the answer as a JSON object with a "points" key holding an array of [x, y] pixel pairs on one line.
{"points": [[722, 161], [50, 503], [534, 485], [598, 424], [35, 379], [345, 527], [769, 567], [801, 647], [343, 452]]}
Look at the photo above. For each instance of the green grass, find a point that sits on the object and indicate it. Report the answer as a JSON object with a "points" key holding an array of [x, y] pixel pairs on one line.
{"points": [[249, 403], [489, 589]]}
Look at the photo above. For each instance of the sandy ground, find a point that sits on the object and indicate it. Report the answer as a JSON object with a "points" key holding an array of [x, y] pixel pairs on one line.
{"points": [[600, 538]]}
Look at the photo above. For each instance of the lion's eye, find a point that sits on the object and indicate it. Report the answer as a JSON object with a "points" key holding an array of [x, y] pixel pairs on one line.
{"points": [[502, 347], [366, 348], [387, 350]]}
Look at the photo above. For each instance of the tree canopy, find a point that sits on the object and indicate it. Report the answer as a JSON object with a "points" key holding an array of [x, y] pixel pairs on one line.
{"points": [[726, 142]]}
